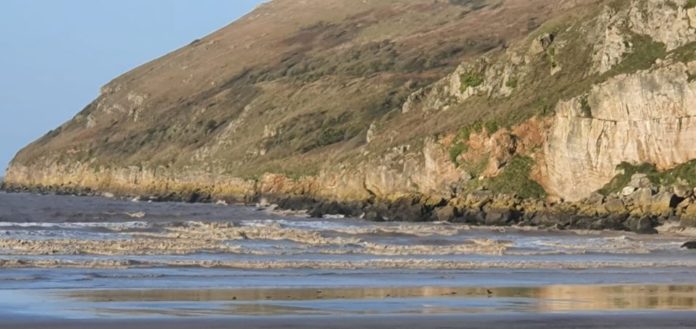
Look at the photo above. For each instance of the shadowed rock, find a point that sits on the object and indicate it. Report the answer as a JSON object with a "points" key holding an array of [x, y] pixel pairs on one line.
{"points": [[690, 245]]}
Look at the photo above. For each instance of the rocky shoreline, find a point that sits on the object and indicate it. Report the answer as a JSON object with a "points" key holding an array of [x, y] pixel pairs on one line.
{"points": [[640, 207]]}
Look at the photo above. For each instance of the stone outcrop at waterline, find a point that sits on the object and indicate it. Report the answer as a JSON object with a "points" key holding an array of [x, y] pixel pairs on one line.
{"points": [[640, 211]]}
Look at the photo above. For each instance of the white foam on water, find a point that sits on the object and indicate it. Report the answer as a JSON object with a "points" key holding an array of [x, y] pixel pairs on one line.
{"points": [[317, 225], [336, 264], [115, 226], [622, 244]]}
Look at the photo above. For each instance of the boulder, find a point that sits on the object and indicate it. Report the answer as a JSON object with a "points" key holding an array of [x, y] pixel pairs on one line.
{"points": [[688, 216], [689, 245], [478, 199], [323, 209], [503, 201], [376, 211], [544, 220], [628, 190], [642, 197], [408, 209], [446, 213], [501, 217], [473, 217], [614, 222], [297, 203], [681, 207], [373, 216], [640, 181], [583, 222], [595, 199], [198, 196], [663, 203], [614, 206], [589, 210], [641, 225], [683, 191]]}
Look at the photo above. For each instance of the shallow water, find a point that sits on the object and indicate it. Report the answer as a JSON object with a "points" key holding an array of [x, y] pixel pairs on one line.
{"points": [[73, 257]]}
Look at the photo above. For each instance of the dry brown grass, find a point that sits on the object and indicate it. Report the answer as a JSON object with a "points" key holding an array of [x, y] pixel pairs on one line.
{"points": [[317, 73]]}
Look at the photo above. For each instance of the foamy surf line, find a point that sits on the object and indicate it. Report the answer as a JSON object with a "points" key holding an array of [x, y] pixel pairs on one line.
{"points": [[374, 264], [116, 226]]}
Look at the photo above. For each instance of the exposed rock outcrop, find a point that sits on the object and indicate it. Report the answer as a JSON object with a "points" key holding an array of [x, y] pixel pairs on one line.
{"points": [[647, 117], [483, 77], [668, 22]]}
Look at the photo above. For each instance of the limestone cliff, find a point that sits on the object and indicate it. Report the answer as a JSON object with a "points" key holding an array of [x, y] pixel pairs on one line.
{"points": [[384, 100], [646, 117]]}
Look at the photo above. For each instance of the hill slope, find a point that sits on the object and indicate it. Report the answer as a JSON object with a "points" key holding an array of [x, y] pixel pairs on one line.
{"points": [[379, 100]]}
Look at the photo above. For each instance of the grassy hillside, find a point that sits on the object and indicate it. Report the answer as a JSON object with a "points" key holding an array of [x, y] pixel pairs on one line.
{"points": [[294, 86]]}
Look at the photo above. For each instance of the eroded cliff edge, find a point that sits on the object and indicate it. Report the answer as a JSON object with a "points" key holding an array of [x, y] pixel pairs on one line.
{"points": [[453, 119]]}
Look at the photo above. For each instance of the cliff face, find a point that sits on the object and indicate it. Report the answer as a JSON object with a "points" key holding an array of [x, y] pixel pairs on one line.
{"points": [[647, 117], [385, 99]]}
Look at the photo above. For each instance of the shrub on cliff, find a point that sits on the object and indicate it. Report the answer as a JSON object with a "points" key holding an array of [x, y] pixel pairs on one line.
{"points": [[515, 180]]}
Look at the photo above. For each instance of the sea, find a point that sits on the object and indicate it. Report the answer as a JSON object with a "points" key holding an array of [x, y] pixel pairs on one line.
{"points": [[68, 257]]}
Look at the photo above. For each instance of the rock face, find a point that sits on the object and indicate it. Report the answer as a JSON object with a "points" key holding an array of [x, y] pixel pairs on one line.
{"points": [[647, 117], [410, 109], [669, 23]]}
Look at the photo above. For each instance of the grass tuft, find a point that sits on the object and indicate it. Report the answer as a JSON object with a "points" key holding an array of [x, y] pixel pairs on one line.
{"points": [[456, 150], [515, 180], [644, 54], [471, 80]]}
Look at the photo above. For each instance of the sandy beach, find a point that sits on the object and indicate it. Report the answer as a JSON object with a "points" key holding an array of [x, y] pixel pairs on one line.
{"points": [[632, 321], [107, 263]]}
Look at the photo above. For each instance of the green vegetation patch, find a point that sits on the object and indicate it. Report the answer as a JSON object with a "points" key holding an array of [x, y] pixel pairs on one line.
{"points": [[471, 80], [685, 172], [491, 126], [626, 171], [690, 4], [551, 56], [515, 179], [541, 90], [456, 150], [465, 133], [644, 54], [685, 53], [460, 146], [512, 83]]}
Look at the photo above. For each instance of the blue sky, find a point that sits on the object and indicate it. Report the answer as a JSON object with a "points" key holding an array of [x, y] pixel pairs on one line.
{"points": [[56, 54]]}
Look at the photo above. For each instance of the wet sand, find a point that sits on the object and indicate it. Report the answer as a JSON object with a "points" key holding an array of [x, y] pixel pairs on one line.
{"points": [[97, 263], [627, 321], [387, 300], [268, 306]]}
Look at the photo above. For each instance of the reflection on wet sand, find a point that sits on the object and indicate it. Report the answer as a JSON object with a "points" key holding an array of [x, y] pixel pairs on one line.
{"points": [[608, 298], [407, 300]]}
